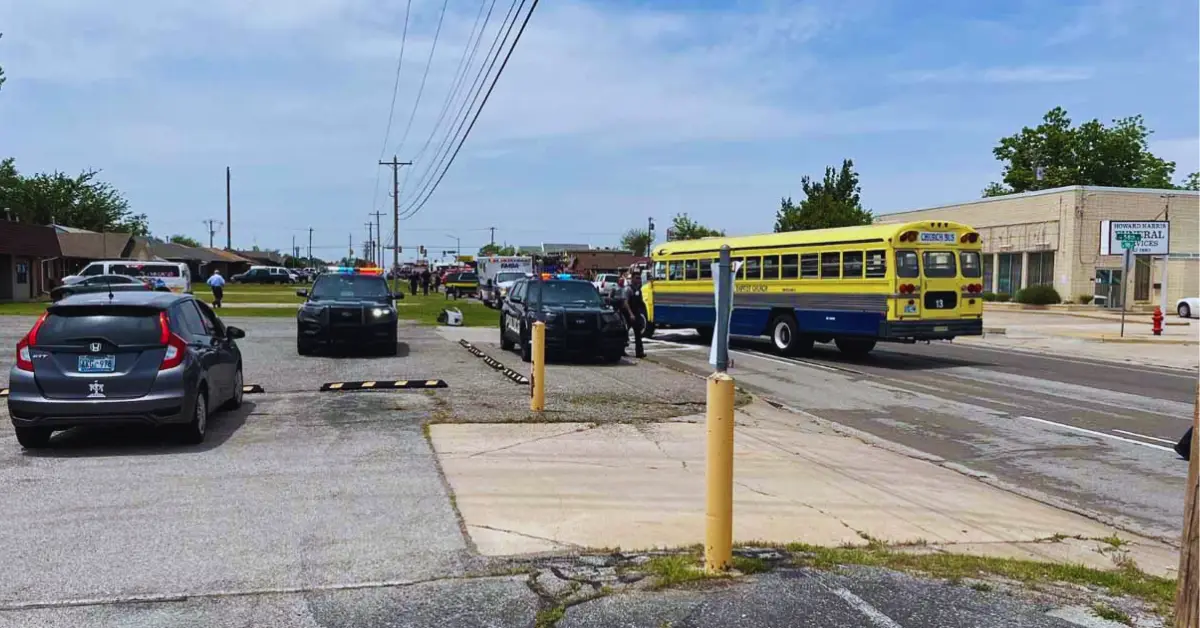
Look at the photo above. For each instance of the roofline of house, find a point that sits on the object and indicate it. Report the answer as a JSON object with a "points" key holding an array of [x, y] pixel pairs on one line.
{"points": [[1069, 188]]}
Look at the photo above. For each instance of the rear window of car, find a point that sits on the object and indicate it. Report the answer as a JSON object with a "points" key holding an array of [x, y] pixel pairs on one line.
{"points": [[468, 277], [145, 270], [133, 326]]}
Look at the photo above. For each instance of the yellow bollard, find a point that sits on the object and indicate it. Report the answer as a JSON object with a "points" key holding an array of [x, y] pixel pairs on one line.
{"points": [[537, 384], [718, 529]]}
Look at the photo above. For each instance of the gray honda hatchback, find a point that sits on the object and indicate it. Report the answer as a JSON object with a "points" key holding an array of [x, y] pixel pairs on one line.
{"points": [[151, 358]]}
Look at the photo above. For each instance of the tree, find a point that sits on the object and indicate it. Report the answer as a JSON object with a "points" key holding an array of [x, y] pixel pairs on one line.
{"points": [[1192, 182], [636, 241], [832, 202], [496, 249], [80, 201], [1056, 154], [184, 240], [684, 228]]}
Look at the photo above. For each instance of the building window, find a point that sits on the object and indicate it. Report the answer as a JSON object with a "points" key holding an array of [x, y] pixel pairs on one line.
{"points": [[1041, 268], [22, 272], [988, 270], [1008, 273]]}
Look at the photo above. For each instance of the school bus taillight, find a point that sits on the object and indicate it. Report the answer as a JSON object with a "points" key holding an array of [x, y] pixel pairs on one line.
{"points": [[973, 288], [907, 288]]}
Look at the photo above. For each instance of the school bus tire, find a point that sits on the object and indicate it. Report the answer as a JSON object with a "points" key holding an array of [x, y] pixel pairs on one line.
{"points": [[706, 334], [855, 347], [786, 337]]}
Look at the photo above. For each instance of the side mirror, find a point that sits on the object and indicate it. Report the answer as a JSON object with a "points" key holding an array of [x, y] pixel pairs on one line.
{"points": [[399, 296], [235, 332], [303, 292]]}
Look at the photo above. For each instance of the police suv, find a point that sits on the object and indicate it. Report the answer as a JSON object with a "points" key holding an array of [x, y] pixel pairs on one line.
{"points": [[348, 306], [577, 320]]}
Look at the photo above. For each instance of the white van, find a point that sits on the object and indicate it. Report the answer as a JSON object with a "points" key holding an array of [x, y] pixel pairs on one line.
{"points": [[174, 275]]}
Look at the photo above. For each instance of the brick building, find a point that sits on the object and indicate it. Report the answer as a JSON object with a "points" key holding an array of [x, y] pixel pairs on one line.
{"points": [[1053, 237]]}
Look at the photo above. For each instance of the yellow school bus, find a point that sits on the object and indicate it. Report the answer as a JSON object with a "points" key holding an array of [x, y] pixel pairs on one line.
{"points": [[853, 286]]}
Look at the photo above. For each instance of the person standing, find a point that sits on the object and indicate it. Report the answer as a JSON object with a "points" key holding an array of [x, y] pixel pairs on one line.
{"points": [[635, 311], [425, 275], [413, 278], [217, 283]]}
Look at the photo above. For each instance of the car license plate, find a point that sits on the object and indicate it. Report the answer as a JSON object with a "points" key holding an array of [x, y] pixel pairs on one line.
{"points": [[941, 328], [97, 363]]}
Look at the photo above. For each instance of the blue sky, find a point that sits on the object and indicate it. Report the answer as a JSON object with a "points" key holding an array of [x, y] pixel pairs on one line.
{"points": [[610, 111]]}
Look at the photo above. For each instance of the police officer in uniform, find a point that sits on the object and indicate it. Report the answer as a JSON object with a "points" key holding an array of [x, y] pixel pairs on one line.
{"points": [[635, 310]]}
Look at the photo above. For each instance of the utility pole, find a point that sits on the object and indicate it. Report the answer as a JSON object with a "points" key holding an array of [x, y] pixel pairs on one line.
{"points": [[293, 250], [378, 257], [213, 225], [351, 254], [493, 230], [650, 233], [395, 165], [310, 230], [228, 212]]}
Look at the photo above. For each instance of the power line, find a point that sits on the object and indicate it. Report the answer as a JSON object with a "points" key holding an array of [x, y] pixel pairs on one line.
{"points": [[468, 103], [387, 133], [479, 111], [464, 64], [421, 90]]}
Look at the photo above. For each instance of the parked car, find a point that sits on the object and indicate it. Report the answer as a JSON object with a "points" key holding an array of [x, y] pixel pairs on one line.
{"points": [[264, 274], [1188, 308], [174, 275], [606, 283], [149, 358], [105, 284]]}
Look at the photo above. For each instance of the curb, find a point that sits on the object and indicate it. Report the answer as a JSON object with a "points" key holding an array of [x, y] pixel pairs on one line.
{"points": [[1147, 341], [996, 331]]}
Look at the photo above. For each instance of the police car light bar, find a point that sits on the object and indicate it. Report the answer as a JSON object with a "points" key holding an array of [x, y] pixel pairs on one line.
{"points": [[350, 270]]}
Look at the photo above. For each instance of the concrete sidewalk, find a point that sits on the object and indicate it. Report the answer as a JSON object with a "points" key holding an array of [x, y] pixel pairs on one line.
{"points": [[534, 487], [1064, 334]]}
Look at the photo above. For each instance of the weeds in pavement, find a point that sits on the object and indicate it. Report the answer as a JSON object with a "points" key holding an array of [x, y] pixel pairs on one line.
{"points": [[982, 587], [1104, 611], [748, 565], [1129, 580], [669, 571], [548, 617]]}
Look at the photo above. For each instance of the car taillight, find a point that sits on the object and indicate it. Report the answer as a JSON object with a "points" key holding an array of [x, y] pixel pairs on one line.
{"points": [[173, 357], [33, 332], [24, 359], [176, 346]]}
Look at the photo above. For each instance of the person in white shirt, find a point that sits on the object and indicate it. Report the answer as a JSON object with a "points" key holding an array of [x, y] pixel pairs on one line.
{"points": [[217, 283]]}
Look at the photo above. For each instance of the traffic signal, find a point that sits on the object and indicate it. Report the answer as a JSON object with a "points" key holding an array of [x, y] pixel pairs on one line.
{"points": [[399, 249], [422, 250]]}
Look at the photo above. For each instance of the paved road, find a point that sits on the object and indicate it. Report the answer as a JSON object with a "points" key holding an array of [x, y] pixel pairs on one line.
{"points": [[1094, 435]]}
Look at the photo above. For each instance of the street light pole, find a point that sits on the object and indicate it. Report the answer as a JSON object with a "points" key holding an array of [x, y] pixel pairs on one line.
{"points": [[457, 244]]}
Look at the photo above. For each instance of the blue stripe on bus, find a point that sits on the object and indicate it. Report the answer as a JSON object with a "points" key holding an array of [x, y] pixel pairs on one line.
{"points": [[754, 321]]}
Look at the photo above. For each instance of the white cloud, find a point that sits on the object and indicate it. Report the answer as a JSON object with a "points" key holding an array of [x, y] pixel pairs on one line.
{"points": [[1017, 74]]}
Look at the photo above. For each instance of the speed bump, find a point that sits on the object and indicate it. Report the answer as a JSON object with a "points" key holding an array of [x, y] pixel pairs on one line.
{"points": [[253, 389], [494, 363], [399, 384]]}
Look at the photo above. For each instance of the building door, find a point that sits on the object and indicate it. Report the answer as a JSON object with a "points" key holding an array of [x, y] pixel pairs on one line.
{"points": [[1108, 291], [1141, 278]]}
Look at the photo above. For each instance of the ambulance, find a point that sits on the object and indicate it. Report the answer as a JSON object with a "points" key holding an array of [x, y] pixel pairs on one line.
{"points": [[497, 274]]}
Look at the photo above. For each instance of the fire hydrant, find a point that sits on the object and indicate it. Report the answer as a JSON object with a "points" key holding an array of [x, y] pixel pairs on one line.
{"points": [[1157, 318]]}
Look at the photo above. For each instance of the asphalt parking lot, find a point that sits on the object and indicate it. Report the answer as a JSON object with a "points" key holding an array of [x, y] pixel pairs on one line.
{"points": [[299, 490]]}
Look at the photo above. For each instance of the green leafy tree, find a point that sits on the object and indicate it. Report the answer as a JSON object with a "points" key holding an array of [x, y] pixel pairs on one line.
{"points": [[684, 228], [80, 201], [184, 240], [834, 201], [636, 241], [1057, 154], [496, 249], [1192, 182]]}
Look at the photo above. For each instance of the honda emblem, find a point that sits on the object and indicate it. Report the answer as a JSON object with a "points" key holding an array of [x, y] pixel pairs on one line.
{"points": [[95, 347]]}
